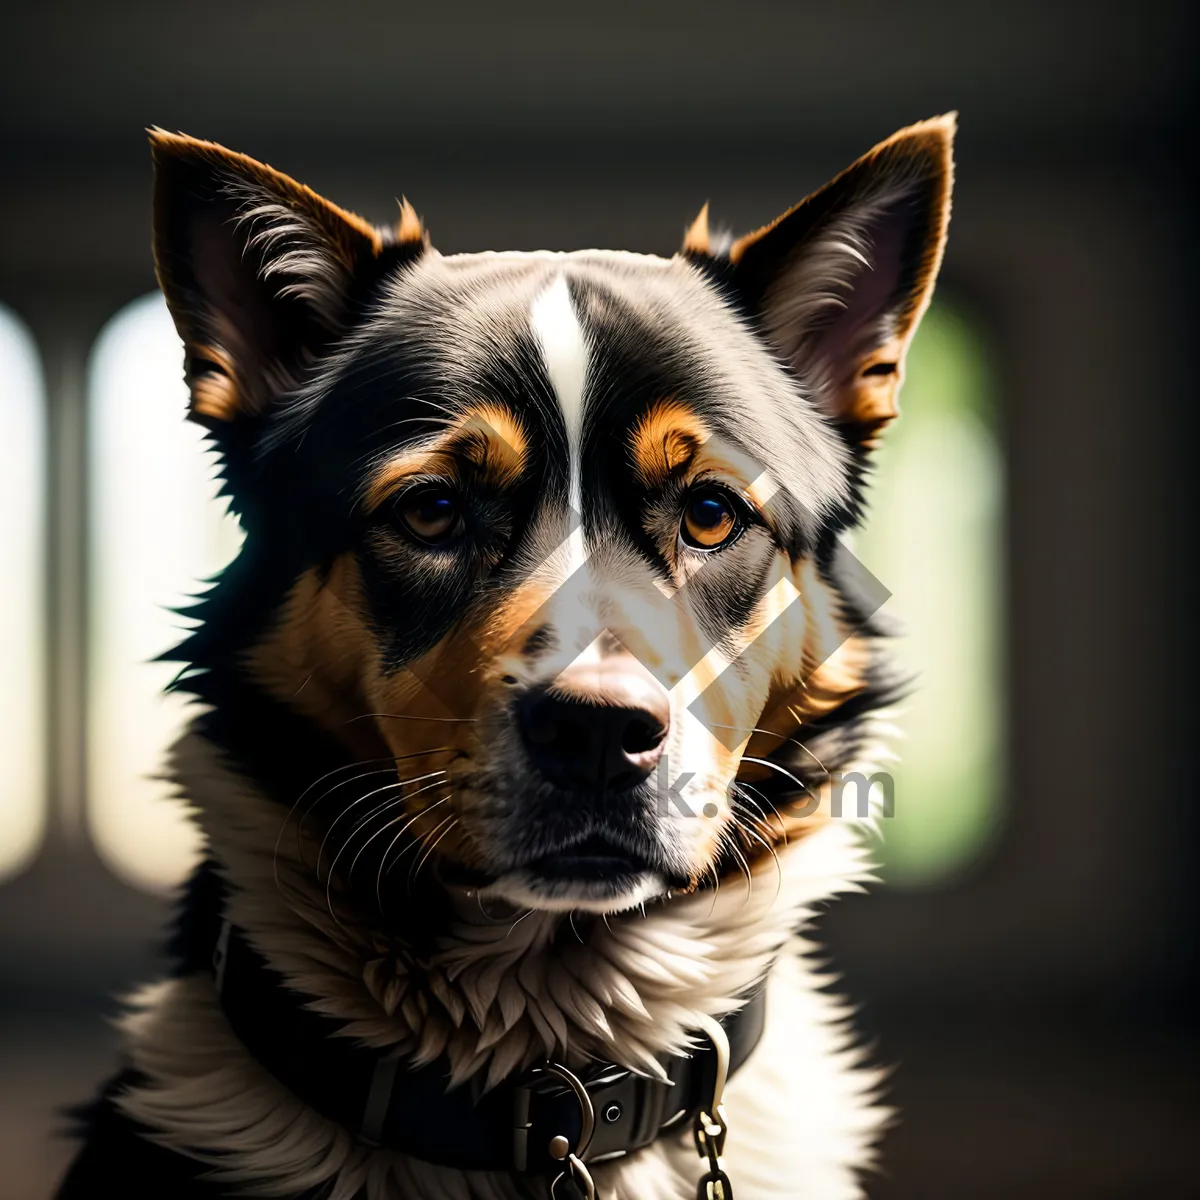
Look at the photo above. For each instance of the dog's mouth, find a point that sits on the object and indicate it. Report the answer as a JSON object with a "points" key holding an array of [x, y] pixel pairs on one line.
{"points": [[596, 858], [597, 874]]}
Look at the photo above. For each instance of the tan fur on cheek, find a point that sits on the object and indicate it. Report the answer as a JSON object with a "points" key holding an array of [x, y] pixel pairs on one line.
{"points": [[319, 652], [459, 675], [719, 727], [321, 659], [798, 664], [825, 669], [439, 703]]}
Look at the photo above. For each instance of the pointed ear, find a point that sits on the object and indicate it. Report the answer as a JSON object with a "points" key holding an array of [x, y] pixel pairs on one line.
{"points": [[838, 284], [259, 272]]}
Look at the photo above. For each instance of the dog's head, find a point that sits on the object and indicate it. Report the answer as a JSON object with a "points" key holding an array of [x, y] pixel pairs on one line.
{"points": [[554, 534]]}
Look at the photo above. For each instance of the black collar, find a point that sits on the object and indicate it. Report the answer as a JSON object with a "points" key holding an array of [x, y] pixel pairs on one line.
{"points": [[385, 1101]]}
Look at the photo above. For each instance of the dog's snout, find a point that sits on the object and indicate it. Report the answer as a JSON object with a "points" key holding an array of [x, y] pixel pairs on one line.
{"points": [[600, 727]]}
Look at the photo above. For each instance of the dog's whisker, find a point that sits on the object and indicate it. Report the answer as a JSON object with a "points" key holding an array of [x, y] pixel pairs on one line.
{"points": [[385, 758], [399, 783], [367, 818], [749, 803], [414, 816], [386, 772], [763, 762], [391, 759], [291, 814], [414, 874], [760, 829], [712, 867], [804, 747], [751, 832], [342, 849], [439, 780], [395, 784], [527, 913], [402, 800], [487, 916], [754, 815], [345, 783], [406, 824], [384, 866], [379, 810], [300, 799], [744, 788], [733, 848], [784, 737]]}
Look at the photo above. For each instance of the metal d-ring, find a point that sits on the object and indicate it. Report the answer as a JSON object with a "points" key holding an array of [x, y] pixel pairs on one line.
{"points": [[587, 1113], [560, 1148], [720, 1040]]}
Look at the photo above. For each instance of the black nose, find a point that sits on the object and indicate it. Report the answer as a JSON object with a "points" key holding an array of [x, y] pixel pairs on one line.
{"points": [[609, 742]]}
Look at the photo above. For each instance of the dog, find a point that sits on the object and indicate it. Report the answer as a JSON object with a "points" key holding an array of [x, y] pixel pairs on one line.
{"points": [[518, 714]]}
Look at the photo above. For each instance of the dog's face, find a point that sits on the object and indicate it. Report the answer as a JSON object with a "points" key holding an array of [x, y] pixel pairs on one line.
{"points": [[553, 533]]}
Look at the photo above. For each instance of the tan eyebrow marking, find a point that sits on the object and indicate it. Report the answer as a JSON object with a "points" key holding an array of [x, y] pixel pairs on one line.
{"points": [[664, 440], [489, 437], [671, 440]]}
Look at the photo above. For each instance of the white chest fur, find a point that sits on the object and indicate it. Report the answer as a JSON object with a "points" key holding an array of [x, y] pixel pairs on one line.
{"points": [[803, 1120]]}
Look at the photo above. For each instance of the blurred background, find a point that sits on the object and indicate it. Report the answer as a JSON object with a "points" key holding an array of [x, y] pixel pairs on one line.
{"points": [[1029, 962]]}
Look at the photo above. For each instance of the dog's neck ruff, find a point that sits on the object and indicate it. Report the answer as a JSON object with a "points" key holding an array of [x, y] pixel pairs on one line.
{"points": [[408, 1106], [490, 1000]]}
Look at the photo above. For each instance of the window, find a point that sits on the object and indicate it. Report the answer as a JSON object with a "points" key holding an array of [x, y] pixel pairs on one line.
{"points": [[157, 531], [933, 538], [22, 637]]}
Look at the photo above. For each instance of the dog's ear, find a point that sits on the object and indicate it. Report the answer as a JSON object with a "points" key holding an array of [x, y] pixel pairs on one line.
{"points": [[838, 284], [259, 272]]}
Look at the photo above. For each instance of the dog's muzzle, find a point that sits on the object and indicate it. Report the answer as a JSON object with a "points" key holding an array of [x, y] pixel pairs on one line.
{"points": [[602, 726]]}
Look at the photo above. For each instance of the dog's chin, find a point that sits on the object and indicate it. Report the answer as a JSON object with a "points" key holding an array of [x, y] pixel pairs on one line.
{"points": [[598, 873], [595, 875], [610, 892]]}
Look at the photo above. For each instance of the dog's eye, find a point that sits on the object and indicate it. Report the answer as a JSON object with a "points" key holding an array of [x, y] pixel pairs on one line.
{"points": [[431, 514], [710, 519]]}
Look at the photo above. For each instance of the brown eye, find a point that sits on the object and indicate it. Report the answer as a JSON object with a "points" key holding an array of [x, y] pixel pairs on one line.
{"points": [[431, 514], [710, 520]]}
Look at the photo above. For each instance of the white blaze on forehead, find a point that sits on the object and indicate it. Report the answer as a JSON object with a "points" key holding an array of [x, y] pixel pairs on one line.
{"points": [[564, 349]]}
